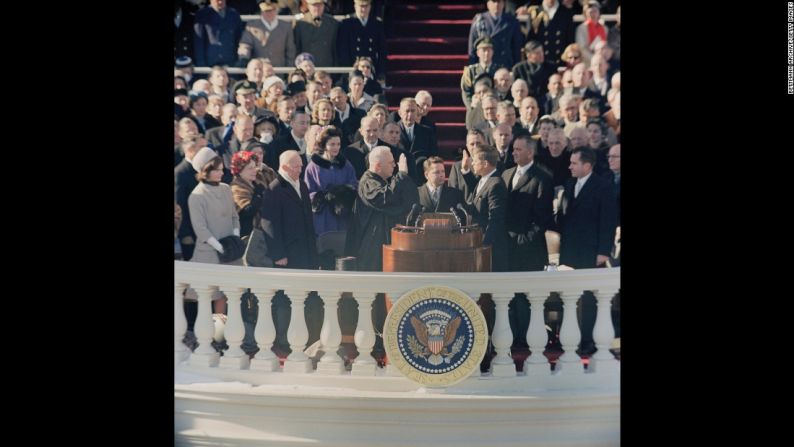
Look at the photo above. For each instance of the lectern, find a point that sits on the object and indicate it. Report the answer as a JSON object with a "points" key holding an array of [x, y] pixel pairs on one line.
{"points": [[438, 245]]}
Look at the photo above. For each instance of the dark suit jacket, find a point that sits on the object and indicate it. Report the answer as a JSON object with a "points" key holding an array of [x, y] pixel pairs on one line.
{"points": [[184, 182], [209, 123], [586, 223], [555, 35], [549, 104], [283, 143], [529, 214], [288, 225], [488, 209], [422, 145], [425, 121], [215, 135], [467, 183], [450, 197], [536, 76], [357, 154], [355, 40], [350, 126]]}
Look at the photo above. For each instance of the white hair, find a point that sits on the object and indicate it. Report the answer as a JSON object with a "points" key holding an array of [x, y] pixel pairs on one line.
{"points": [[377, 154], [286, 156]]}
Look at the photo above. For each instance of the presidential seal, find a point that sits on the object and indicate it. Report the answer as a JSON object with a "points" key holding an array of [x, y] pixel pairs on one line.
{"points": [[435, 335]]}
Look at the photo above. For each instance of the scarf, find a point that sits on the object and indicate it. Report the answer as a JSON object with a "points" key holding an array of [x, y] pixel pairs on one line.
{"points": [[594, 29]]}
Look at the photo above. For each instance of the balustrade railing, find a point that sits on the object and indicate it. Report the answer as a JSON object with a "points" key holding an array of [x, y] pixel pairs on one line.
{"points": [[233, 281]]}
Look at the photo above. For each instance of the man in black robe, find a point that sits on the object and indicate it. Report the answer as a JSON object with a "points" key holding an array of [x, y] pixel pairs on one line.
{"points": [[384, 200]]}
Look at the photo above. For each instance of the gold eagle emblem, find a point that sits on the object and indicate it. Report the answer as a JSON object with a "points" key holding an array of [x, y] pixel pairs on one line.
{"points": [[432, 342]]}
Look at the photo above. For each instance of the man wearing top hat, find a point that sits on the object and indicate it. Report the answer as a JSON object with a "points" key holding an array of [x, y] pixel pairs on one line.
{"points": [[472, 72], [362, 34], [316, 33], [267, 37]]}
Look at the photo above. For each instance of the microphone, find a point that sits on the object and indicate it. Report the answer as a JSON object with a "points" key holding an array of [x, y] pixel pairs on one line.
{"points": [[465, 214], [465, 217], [457, 217], [412, 214], [419, 216]]}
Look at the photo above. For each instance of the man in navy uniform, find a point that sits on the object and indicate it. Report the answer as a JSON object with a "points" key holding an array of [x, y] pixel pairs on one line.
{"points": [[216, 33], [362, 35], [553, 27], [503, 30]]}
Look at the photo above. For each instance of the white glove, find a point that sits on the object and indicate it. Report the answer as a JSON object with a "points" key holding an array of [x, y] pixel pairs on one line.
{"points": [[215, 244], [236, 232]]}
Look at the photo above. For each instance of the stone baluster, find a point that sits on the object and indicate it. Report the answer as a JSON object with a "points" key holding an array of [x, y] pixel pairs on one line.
{"points": [[204, 328], [330, 334], [502, 365], [181, 352], [297, 334], [233, 332], [364, 364], [603, 334], [569, 362], [265, 332], [537, 364]]}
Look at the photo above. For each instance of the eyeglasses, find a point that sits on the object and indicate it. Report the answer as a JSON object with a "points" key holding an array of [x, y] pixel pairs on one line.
{"points": [[613, 156]]}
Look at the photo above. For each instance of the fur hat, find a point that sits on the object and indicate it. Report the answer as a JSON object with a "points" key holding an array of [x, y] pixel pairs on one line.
{"points": [[302, 57], [272, 80], [204, 156], [233, 249]]}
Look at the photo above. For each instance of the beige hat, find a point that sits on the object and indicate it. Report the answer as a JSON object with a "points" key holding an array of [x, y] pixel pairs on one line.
{"points": [[270, 81], [267, 5], [204, 156]]}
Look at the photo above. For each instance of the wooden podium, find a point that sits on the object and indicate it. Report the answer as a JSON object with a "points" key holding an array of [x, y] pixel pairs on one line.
{"points": [[439, 245]]}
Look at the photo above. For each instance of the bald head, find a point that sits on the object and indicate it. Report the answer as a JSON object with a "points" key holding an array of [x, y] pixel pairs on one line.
{"points": [[369, 129], [381, 161]]}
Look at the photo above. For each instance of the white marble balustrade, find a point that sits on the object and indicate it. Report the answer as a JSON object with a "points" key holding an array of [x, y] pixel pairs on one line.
{"points": [[233, 281]]}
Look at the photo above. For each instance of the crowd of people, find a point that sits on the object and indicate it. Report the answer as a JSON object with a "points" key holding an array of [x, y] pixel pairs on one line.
{"points": [[313, 153]]}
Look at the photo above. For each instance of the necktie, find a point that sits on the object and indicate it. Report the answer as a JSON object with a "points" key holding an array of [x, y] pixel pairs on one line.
{"points": [[436, 195], [516, 177], [302, 145], [577, 188]]}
